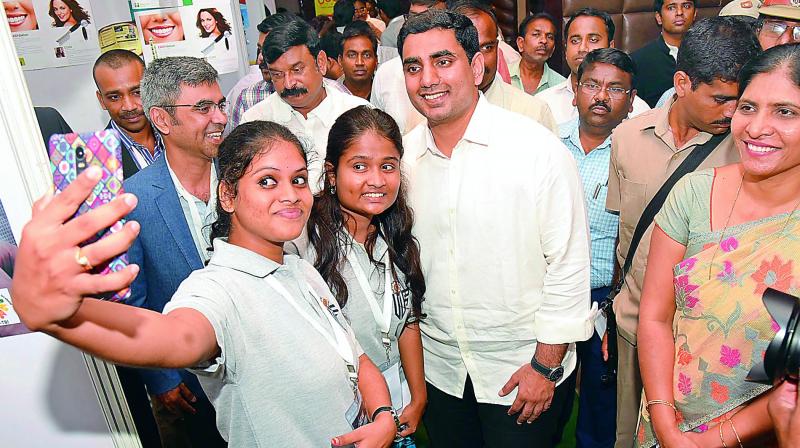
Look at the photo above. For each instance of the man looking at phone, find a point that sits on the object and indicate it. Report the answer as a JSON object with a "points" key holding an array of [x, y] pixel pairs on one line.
{"points": [[177, 197], [118, 75]]}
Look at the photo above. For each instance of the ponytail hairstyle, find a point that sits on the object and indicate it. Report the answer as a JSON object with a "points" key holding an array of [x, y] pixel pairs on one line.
{"points": [[236, 153], [326, 226]]}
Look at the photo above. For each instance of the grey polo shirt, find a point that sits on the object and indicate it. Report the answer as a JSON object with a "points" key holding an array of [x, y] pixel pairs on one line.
{"points": [[276, 381]]}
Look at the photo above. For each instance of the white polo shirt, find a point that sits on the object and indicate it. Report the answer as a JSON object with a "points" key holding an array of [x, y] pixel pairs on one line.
{"points": [[504, 247], [312, 131], [559, 98]]}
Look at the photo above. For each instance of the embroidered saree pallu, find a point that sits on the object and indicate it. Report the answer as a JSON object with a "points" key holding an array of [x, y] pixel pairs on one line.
{"points": [[721, 327]]}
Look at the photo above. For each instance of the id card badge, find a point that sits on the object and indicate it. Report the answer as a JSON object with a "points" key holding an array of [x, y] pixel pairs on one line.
{"points": [[398, 387], [356, 415]]}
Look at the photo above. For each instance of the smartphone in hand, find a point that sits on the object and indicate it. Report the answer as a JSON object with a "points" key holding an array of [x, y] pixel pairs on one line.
{"points": [[70, 155]]}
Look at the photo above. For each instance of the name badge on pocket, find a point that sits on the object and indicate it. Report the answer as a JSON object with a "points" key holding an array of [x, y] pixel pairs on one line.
{"points": [[356, 415]]}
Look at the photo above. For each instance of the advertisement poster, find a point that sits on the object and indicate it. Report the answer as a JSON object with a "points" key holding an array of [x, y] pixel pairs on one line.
{"points": [[52, 33], [9, 321], [199, 28], [324, 7], [120, 36]]}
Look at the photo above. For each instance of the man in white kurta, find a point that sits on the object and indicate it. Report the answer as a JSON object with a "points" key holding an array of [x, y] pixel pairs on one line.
{"points": [[301, 102], [500, 218]]}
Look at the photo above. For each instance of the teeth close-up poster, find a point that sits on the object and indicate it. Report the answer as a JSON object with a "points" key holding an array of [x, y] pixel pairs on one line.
{"points": [[52, 33], [200, 28]]}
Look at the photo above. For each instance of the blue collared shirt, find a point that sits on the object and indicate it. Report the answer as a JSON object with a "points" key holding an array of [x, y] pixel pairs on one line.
{"points": [[593, 169], [140, 154]]}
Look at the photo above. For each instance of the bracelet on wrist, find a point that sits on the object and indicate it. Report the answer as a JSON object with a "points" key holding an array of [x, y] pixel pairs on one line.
{"points": [[391, 412], [664, 402]]}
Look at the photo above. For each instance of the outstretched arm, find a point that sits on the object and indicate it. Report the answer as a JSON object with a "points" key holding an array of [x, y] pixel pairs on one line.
{"points": [[52, 291]]}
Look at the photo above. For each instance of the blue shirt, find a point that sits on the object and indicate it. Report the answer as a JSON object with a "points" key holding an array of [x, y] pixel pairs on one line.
{"points": [[140, 154], [593, 169]]}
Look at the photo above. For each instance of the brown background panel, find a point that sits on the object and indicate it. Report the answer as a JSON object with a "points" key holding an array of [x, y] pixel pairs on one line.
{"points": [[634, 19]]}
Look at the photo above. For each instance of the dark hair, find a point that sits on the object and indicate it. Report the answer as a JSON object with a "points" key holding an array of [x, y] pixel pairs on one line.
{"points": [[287, 35], [658, 4], [331, 44], [612, 56], [780, 57], [428, 3], [393, 8], [222, 23], [115, 59], [592, 12], [274, 20], [466, 34], [523, 27], [360, 28], [236, 153], [326, 225], [78, 13], [472, 7], [343, 12], [716, 48]]}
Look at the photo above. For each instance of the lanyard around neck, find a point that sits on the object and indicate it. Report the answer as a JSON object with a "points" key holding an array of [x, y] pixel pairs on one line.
{"points": [[339, 340], [382, 317]]}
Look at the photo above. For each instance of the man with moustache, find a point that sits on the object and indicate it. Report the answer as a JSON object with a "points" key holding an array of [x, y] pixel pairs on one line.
{"points": [[536, 43], [359, 58], [656, 60], [261, 89], [493, 87], [118, 75], [177, 200], [302, 102], [586, 30], [604, 97], [501, 223], [646, 150]]}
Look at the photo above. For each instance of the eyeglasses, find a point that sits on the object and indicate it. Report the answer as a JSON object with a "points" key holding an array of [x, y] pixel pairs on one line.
{"points": [[203, 107], [616, 93], [776, 29]]}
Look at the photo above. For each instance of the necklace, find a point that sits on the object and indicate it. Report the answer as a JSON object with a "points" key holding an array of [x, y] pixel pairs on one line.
{"points": [[728, 220]]}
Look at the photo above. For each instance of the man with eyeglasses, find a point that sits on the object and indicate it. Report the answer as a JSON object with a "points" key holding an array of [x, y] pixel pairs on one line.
{"points": [[647, 149], [604, 97], [586, 30], [177, 203], [778, 23], [301, 102], [255, 93]]}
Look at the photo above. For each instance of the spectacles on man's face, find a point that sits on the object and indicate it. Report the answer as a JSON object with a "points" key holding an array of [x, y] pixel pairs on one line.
{"points": [[204, 107], [592, 89], [775, 29]]}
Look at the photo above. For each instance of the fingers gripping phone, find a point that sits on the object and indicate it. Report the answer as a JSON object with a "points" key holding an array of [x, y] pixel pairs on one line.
{"points": [[70, 155]]}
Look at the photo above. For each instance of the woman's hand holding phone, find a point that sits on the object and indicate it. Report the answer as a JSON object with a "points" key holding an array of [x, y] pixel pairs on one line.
{"points": [[49, 281]]}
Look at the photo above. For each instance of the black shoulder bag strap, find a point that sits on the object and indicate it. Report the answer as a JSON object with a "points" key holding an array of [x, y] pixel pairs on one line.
{"points": [[689, 164]]}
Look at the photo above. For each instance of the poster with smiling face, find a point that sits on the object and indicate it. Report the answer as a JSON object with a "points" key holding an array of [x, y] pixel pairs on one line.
{"points": [[199, 28], [52, 33]]}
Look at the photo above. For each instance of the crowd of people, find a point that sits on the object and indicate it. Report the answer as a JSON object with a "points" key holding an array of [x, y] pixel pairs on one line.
{"points": [[403, 221]]}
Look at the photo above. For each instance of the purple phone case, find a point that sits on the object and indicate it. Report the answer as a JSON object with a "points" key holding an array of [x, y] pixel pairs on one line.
{"points": [[101, 149]]}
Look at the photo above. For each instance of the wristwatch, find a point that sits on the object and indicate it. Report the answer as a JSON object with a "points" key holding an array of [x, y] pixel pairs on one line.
{"points": [[552, 374], [391, 411]]}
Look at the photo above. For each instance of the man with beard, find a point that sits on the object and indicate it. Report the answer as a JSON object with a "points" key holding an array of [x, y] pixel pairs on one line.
{"points": [[536, 43], [301, 102], [586, 30], [117, 75], [493, 87], [656, 60], [501, 223], [177, 205], [647, 149], [604, 97]]}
